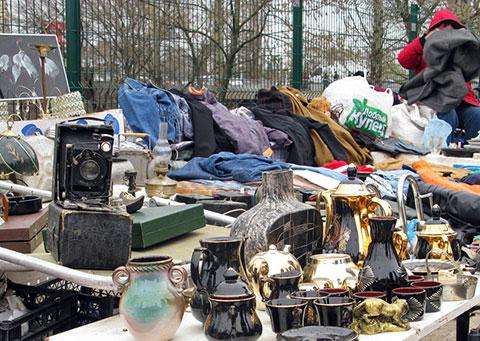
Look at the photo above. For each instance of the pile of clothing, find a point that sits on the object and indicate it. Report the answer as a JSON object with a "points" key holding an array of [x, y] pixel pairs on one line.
{"points": [[282, 125], [455, 189]]}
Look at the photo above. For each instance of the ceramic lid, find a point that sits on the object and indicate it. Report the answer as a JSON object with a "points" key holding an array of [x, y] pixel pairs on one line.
{"points": [[352, 186], [436, 224], [272, 250], [232, 287]]}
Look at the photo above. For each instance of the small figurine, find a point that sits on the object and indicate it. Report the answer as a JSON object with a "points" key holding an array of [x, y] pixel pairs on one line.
{"points": [[375, 316]]}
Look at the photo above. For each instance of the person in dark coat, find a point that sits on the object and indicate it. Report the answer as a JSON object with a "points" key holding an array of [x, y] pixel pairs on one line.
{"points": [[467, 114]]}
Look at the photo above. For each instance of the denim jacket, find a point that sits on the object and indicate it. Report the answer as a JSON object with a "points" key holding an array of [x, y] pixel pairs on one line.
{"points": [[145, 106]]}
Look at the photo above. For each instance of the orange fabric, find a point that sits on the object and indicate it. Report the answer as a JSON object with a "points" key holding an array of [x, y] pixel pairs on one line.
{"points": [[394, 164], [426, 173]]}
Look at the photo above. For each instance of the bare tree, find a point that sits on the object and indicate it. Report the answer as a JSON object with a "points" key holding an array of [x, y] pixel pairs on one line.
{"points": [[233, 30]]}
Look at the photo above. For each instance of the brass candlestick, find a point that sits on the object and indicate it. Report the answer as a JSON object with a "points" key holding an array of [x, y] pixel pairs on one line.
{"points": [[43, 50]]}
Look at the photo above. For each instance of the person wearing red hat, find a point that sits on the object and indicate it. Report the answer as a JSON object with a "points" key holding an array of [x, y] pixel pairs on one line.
{"points": [[467, 114]]}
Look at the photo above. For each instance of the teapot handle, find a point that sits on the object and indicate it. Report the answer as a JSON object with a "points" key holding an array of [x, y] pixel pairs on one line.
{"points": [[121, 277], [177, 275], [400, 241], [261, 284], [243, 259], [326, 196], [194, 265], [385, 206]]}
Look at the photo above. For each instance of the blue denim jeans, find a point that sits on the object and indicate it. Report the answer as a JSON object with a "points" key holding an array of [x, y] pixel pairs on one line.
{"points": [[145, 106], [465, 116]]}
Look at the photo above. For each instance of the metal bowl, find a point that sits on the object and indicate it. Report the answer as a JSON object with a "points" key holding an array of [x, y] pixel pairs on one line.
{"points": [[463, 289], [418, 267]]}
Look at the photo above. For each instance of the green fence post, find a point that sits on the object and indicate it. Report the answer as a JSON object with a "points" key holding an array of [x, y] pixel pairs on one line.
{"points": [[413, 28], [297, 44], [74, 45]]}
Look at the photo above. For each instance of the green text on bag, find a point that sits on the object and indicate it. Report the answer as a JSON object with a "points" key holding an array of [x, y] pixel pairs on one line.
{"points": [[368, 119]]}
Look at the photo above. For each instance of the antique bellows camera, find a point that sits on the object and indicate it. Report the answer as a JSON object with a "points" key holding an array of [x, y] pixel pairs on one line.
{"points": [[83, 166], [84, 231]]}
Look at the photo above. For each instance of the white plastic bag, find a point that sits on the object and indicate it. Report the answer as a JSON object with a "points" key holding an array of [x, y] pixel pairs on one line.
{"points": [[409, 121], [436, 135], [404, 127], [363, 107]]}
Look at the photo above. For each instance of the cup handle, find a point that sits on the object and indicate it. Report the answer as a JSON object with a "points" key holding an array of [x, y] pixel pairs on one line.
{"points": [[262, 281], [177, 275], [194, 265], [121, 277]]}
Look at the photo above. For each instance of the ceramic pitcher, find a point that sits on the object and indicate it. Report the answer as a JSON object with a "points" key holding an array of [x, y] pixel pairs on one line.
{"points": [[208, 264], [151, 303]]}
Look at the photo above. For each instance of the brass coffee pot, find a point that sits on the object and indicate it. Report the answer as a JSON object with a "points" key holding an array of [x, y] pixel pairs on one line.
{"points": [[436, 234], [347, 209]]}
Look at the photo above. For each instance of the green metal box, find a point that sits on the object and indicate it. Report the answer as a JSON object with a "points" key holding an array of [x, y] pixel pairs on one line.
{"points": [[152, 225]]}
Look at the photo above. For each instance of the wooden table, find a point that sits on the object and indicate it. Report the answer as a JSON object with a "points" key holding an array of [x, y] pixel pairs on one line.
{"points": [[114, 329]]}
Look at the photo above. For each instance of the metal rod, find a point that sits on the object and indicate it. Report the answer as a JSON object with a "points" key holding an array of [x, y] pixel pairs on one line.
{"points": [[401, 198], [75, 276], [44, 88], [8, 186], [209, 215]]}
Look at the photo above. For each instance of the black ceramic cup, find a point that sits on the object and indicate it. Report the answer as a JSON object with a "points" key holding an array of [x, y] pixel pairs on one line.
{"points": [[335, 292], [311, 317], [286, 313], [363, 295], [281, 285], [434, 292], [335, 311], [414, 278], [416, 299]]}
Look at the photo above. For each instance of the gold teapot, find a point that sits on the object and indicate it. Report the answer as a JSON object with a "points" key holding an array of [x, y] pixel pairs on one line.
{"points": [[346, 229], [331, 270], [268, 263], [436, 234]]}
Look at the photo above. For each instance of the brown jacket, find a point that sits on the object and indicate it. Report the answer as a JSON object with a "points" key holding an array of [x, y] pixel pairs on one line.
{"points": [[355, 154]]}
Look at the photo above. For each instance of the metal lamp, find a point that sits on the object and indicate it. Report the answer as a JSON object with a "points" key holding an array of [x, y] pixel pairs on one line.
{"points": [[17, 157], [161, 185]]}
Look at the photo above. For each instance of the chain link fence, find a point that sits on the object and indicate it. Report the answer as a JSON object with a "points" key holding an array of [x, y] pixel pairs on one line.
{"points": [[234, 47]]}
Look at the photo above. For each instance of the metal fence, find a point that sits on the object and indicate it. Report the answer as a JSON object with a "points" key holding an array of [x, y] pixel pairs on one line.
{"points": [[234, 47]]}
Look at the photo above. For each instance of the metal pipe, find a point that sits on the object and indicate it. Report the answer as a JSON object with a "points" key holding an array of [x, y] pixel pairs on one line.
{"points": [[8, 186], [6, 266], [75, 276], [416, 196], [209, 215]]}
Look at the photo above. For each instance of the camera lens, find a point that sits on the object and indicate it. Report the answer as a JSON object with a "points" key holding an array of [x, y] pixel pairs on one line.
{"points": [[89, 170]]}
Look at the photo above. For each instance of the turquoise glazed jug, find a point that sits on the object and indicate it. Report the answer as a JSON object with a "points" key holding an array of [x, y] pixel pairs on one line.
{"points": [[151, 303]]}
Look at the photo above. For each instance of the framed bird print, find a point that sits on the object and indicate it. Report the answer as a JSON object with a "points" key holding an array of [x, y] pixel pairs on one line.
{"points": [[21, 67]]}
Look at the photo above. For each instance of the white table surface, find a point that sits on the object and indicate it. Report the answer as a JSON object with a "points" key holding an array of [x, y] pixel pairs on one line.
{"points": [[114, 329]]}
